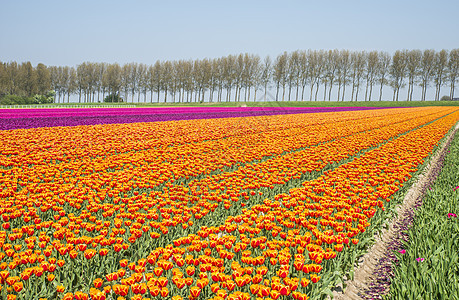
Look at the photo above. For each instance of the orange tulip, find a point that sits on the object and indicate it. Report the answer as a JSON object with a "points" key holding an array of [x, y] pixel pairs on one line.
{"points": [[195, 291]]}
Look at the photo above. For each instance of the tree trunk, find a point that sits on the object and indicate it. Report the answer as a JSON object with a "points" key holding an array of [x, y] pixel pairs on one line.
{"points": [[339, 90], [311, 91], [317, 91], [366, 91], [325, 91], [451, 92], [329, 90], [277, 92], [297, 89], [352, 96], [409, 88], [266, 90], [371, 90]]}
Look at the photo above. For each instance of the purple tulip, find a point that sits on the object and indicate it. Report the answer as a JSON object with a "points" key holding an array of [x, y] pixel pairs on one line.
{"points": [[403, 251]]}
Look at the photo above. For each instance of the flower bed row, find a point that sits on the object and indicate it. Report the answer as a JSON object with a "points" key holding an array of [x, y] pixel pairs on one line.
{"points": [[34, 118]]}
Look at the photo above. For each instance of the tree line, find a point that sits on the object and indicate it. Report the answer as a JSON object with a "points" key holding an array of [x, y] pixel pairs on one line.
{"points": [[294, 76]]}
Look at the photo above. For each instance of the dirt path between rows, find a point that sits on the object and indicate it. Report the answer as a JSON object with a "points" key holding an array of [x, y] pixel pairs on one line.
{"points": [[372, 276]]}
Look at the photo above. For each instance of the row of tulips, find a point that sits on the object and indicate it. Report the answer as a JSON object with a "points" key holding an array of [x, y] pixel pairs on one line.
{"points": [[152, 135], [33, 118], [54, 223]]}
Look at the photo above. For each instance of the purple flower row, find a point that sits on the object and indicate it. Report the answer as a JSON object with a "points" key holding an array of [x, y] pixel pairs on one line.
{"points": [[34, 118]]}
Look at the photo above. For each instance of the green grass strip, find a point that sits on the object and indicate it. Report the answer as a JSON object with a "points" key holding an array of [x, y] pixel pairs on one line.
{"points": [[429, 269]]}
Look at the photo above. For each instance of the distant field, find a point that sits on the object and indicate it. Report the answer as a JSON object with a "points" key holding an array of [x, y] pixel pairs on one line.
{"points": [[268, 104]]}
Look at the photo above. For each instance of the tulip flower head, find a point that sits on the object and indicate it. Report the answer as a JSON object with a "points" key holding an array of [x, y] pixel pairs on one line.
{"points": [[420, 259]]}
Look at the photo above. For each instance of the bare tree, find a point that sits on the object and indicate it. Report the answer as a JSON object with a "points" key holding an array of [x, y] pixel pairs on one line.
{"points": [[453, 68], [384, 63], [292, 72], [257, 69], [219, 77], [343, 71], [371, 69], [43, 79], [229, 74], [426, 71], [398, 72], [166, 77], [142, 85], [440, 65], [413, 63], [126, 81], [303, 71], [266, 75], [331, 66], [358, 61], [320, 72], [112, 79], [101, 68], [280, 73], [71, 84]]}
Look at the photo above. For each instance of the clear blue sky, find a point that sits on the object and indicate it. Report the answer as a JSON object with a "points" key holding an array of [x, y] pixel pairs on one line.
{"points": [[71, 32]]}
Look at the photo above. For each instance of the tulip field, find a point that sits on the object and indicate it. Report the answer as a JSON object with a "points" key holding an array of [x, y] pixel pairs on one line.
{"points": [[224, 203]]}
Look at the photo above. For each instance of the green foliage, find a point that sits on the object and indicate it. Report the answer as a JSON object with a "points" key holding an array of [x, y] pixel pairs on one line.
{"points": [[445, 98], [113, 98], [16, 100], [44, 99], [23, 100], [434, 237]]}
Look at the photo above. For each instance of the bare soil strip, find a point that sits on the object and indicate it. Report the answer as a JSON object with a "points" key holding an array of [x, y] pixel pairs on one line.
{"points": [[372, 276]]}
